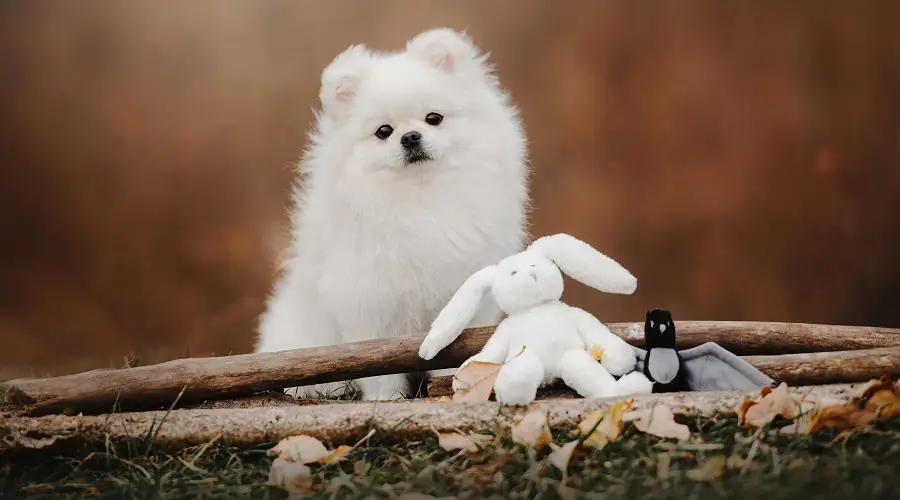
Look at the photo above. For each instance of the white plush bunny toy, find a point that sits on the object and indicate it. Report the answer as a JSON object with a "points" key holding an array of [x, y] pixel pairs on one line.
{"points": [[543, 339]]}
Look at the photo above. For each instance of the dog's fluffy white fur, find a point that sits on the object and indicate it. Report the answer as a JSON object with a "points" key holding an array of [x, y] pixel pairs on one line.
{"points": [[380, 241]]}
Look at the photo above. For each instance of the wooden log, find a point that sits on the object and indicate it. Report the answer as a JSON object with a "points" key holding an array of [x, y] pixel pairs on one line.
{"points": [[155, 386], [829, 367], [793, 369], [199, 379], [760, 338], [340, 423]]}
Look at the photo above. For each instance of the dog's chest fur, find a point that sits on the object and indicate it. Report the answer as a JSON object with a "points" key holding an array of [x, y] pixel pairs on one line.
{"points": [[387, 266]]}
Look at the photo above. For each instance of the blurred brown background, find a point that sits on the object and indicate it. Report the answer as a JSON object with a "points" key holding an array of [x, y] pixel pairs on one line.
{"points": [[741, 158]]}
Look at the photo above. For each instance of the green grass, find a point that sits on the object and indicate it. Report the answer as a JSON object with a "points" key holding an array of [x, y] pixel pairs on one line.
{"points": [[864, 463]]}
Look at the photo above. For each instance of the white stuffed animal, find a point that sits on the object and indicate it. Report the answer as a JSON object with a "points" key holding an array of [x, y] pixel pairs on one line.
{"points": [[543, 339]]}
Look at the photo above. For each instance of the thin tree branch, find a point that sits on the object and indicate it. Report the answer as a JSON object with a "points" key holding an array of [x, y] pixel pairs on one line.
{"points": [[156, 386]]}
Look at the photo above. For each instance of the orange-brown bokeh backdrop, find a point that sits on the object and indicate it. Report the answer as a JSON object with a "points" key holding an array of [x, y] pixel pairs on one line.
{"points": [[741, 158]]}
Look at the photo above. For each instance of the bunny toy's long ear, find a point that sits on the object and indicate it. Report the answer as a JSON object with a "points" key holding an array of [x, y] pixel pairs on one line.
{"points": [[458, 313], [585, 264]]}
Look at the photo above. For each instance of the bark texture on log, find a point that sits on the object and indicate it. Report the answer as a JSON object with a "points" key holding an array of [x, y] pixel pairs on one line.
{"points": [[829, 367], [767, 338], [793, 369], [155, 386], [337, 423]]}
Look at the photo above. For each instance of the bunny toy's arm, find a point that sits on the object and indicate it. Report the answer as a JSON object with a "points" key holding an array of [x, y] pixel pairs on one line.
{"points": [[496, 349], [457, 314], [618, 356]]}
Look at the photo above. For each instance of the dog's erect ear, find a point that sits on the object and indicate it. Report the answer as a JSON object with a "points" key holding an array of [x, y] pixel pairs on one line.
{"points": [[585, 264], [341, 78], [448, 50], [458, 313]]}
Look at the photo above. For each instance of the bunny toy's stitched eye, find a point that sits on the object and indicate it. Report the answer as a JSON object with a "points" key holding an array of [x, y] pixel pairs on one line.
{"points": [[513, 273], [384, 132], [433, 119]]}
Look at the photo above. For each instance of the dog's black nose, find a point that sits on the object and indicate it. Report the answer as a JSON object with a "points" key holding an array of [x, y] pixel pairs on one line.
{"points": [[410, 140]]}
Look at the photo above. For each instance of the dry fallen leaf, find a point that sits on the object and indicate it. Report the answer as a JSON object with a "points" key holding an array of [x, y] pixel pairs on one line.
{"points": [[879, 398], [881, 395], [477, 379], [301, 449], [846, 416], [337, 454], [607, 424], [561, 455], [293, 477], [596, 352], [735, 462], [709, 470], [533, 430], [660, 421], [774, 403], [445, 399], [343, 450], [468, 443], [306, 449]]}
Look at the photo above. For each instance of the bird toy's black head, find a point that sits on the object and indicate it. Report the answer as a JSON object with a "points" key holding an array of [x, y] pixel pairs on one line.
{"points": [[659, 329]]}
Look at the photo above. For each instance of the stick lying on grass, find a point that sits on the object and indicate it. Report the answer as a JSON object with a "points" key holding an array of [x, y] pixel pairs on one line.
{"points": [[155, 386], [792, 369], [338, 423]]}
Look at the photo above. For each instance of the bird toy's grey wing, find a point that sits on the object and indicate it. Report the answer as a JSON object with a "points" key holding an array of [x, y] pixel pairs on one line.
{"points": [[711, 367], [641, 355]]}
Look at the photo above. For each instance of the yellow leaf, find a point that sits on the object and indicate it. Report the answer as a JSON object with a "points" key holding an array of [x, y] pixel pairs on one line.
{"points": [[710, 470], [660, 421], [293, 477], [596, 352], [533, 430], [337, 454], [562, 454], [607, 424], [477, 379]]}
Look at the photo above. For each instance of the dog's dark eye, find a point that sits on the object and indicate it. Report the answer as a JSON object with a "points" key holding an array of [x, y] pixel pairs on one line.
{"points": [[384, 132], [433, 119]]}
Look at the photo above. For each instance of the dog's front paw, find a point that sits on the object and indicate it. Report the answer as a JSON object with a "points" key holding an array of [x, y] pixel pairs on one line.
{"points": [[329, 390]]}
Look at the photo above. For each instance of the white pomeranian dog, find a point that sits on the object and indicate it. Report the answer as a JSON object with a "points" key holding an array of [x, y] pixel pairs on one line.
{"points": [[415, 177]]}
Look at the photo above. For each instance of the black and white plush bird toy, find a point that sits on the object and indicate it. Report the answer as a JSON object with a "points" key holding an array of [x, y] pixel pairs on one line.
{"points": [[707, 367]]}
